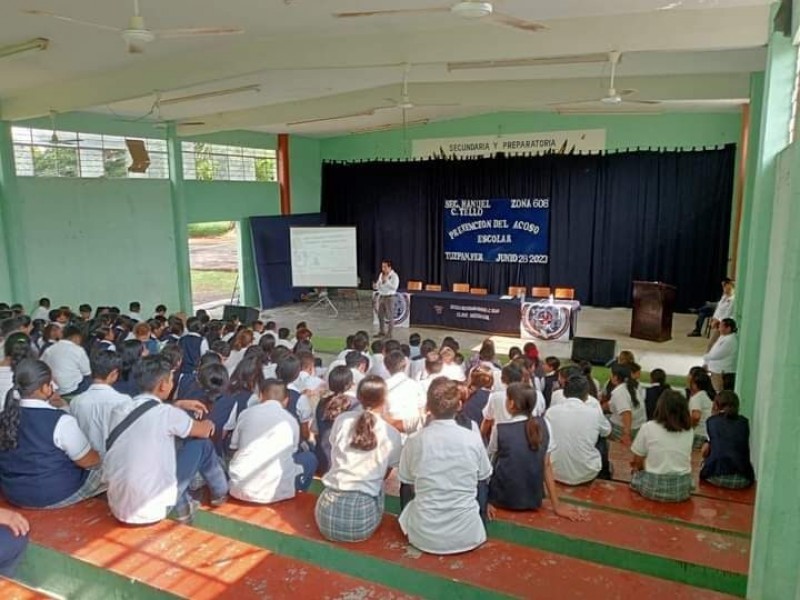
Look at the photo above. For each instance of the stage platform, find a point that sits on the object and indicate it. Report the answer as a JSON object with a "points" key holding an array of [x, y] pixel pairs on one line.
{"points": [[676, 356]]}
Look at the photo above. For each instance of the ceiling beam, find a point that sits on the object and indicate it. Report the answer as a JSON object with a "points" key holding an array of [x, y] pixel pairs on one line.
{"points": [[489, 95], [678, 30]]}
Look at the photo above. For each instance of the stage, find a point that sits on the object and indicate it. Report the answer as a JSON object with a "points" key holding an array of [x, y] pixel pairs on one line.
{"points": [[676, 357]]}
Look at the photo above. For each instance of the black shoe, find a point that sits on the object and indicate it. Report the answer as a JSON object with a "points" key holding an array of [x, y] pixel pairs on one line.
{"points": [[694, 334]]}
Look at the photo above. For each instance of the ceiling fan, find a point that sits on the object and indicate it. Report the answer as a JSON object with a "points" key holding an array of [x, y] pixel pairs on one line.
{"points": [[136, 35], [158, 122], [470, 9], [54, 139], [614, 101]]}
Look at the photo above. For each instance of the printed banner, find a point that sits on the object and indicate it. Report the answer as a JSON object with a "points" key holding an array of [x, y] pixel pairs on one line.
{"points": [[498, 230], [486, 146]]}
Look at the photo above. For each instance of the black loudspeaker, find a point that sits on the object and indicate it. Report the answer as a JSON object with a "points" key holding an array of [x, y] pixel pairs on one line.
{"points": [[245, 314], [597, 351]]}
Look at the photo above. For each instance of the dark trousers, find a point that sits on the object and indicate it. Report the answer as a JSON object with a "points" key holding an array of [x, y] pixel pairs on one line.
{"points": [[386, 315], [308, 461], [728, 381], [703, 313], [407, 495], [12, 549], [198, 456], [602, 448]]}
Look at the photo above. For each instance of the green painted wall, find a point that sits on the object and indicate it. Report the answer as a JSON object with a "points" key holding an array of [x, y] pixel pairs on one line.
{"points": [[622, 132], [5, 282], [230, 200], [99, 241], [305, 174]]}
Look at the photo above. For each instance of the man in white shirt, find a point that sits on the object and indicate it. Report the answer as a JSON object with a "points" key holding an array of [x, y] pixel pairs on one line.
{"points": [[722, 310], [445, 463], [267, 467], [386, 286], [405, 399], [69, 362], [94, 407], [577, 426], [146, 476], [42, 312], [720, 361]]}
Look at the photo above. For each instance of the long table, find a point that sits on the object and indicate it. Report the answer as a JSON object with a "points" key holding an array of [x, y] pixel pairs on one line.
{"points": [[466, 312]]}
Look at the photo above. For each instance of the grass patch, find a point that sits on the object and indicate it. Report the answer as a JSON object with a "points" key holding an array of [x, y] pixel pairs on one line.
{"points": [[208, 282], [211, 229]]}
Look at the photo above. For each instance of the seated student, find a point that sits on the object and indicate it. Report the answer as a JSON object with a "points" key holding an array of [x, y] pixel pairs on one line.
{"points": [[160, 311], [45, 459], [627, 411], [42, 310], [658, 385], [147, 475], [379, 352], [358, 364], [212, 382], [14, 530], [662, 452], [51, 334], [700, 405], [495, 410], [85, 313], [363, 450], [307, 380], [102, 338], [625, 358], [283, 339], [141, 333], [414, 345], [193, 345], [221, 349], [594, 384], [288, 371], [245, 382], [577, 426], [444, 463], [69, 362], [239, 345], [135, 311], [267, 466], [405, 398], [93, 408], [417, 367], [450, 367], [340, 398], [17, 347], [130, 353], [191, 388], [481, 382], [433, 369], [726, 455], [520, 450], [564, 373], [551, 367]]}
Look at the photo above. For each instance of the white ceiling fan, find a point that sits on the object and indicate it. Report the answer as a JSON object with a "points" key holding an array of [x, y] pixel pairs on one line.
{"points": [[614, 101], [470, 9], [136, 35]]}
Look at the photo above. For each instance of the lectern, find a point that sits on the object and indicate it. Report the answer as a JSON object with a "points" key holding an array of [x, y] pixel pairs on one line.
{"points": [[653, 305]]}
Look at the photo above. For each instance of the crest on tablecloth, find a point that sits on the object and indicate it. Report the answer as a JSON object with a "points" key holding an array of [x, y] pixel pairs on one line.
{"points": [[545, 321]]}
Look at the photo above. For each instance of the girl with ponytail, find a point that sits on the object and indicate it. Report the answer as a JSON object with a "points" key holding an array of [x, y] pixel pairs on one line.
{"points": [[364, 448], [17, 348], [339, 399], [44, 456], [520, 451], [627, 409]]}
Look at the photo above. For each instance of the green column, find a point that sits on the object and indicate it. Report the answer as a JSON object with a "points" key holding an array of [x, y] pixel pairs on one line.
{"points": [[179, 219], [248, 284], [775, 551], [757, 222], [12, 219]]}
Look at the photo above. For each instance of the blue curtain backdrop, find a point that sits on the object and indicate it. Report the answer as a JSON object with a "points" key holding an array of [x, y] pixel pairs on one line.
{"points": [[615, 218]]}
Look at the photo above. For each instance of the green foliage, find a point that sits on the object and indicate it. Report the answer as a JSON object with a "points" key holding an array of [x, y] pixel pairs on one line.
{"points": [[55, 162], [211, 229]]}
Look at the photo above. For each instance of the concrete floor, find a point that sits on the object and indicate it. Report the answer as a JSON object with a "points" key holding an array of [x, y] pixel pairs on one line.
{"points": [[676, 357]]}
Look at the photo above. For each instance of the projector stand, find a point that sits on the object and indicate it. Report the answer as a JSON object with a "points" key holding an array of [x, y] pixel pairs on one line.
{"points": [[324, 300]]}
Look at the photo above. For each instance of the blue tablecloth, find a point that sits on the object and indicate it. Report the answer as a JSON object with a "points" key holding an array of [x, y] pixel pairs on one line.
{"points": [[466, 312]]}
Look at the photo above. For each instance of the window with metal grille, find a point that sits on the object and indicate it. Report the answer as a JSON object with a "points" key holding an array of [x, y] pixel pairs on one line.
{"points": [[215, 162]]}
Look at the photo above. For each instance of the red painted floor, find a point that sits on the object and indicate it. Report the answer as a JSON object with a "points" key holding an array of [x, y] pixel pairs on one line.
{"points": [[507, 568], [11, 590]]}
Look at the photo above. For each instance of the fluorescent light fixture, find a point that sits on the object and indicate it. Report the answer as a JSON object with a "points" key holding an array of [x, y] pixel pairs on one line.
{"points": [[606, 111], [206, 95], [600, 57], [34, 45]]}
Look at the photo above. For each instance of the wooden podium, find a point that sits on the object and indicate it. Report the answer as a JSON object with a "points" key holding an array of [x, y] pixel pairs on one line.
{"points": [[653, 305]]}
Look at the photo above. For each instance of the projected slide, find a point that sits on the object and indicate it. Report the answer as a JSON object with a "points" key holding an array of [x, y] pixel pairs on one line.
{"points": [[323, 256]]}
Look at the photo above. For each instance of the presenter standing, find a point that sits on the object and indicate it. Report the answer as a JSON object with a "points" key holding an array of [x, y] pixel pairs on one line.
{"points": [[386, 286]]}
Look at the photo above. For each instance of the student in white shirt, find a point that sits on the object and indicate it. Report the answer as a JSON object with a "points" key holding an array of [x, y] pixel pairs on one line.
{"points": [[242, 341], [700, 405], [363, 450], [42, 311], [69, 362], [662, 452], [444, 463], [520, 450], [721, 359], [267, 466], [379, 352], [147, 476], [405, 399], [627, 409], [496, 410], [450, 368], [577, 426], [433, 369], [358, 365], [340, 398], [93, 408], [135, 311], [17, 347]]}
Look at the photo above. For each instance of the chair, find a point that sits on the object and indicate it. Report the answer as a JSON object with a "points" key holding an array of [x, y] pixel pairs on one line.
{"points": [[564, 293], [478, 291], [516, 290], [540, 292], [433, 287], [461, 287], [414, 286]]}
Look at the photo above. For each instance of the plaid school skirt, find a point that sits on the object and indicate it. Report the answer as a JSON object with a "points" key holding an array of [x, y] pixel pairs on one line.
{"points": [[663, 488], [616, 433], [698, 442], [733, 481], [348, 516]]}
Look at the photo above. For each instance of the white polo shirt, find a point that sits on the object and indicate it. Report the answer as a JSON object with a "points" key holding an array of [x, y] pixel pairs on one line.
{"points": [[576, 426], [354, 470], [40, 313], [6, 383], [67, 435], [93, 408], [722, 356], [724, 308], [664, 451], [69, 363], [263, 469], [620, 403], [453, 371], [444, 463], [495, 408], [140, 468], [405, 397], [702, 403]]}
